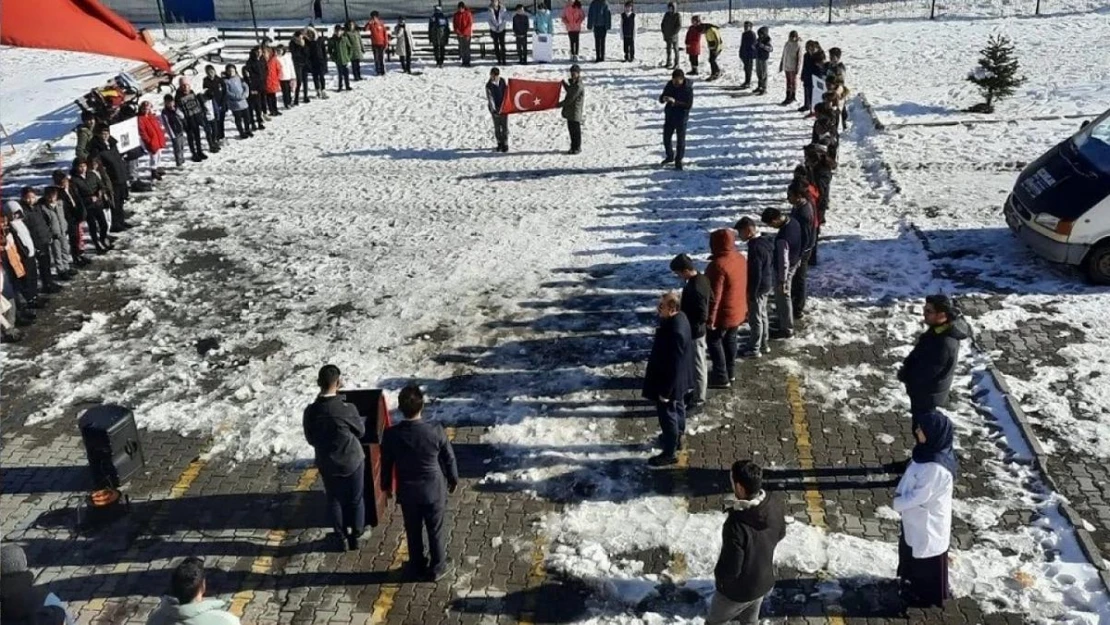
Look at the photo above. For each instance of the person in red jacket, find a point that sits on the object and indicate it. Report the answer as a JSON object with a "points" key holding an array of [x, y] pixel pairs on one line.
{"points": [[693, 44], [728, 277], [273, 80], [463, 22], [153, 137], [379, 40]]}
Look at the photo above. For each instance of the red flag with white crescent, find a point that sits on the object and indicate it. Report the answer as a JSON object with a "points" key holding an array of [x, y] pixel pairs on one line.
{"points": [[525, 96]]}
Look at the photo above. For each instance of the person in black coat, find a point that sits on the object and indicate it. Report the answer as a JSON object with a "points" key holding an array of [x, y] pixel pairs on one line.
{"points": [[803, 212], [426, 472], [520, 31], [103, 146], [928, 370], [75, 212], [745, 571], [747, 53], [789, 244], [628, 32], [335, 429], [810, 67], [254, 73], [298, 49], [87, 188], [318, 58], [761, 281], [215, 91], [670, 374], [697, 297], [37, 225], [439, 32], [678, 97]]}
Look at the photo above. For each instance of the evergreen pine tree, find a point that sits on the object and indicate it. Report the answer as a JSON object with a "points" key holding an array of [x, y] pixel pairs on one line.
{"points": [[997, 74]]}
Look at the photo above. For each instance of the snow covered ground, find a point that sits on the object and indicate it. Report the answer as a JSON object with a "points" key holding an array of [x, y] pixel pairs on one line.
{"points": [[378, 231]]}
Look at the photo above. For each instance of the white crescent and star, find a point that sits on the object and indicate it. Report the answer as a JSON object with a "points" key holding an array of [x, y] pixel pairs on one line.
{"points": [[516, 100]]}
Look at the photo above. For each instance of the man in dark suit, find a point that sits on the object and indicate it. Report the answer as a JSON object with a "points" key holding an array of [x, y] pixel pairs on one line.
{"points": [[670, 374], [426, 472], [334, 429]]}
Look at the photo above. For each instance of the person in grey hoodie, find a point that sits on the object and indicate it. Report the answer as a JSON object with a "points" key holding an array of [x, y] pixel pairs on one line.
{"points": [[186, 605], [237, 93]]}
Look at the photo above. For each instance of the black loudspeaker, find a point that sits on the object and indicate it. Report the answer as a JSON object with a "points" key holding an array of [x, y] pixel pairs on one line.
{"points": [[112, 444], [371, 406]]}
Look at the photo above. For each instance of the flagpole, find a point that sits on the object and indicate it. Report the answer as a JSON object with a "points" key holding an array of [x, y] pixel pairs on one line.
{"points": [[254, 20], [162, 18]]}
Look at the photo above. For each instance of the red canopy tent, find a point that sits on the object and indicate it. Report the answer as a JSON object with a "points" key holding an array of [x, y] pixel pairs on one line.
{"points": [[77, 25]]}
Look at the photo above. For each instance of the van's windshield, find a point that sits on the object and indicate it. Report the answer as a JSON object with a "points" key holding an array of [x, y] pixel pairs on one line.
{"points": [[1093, 143]]}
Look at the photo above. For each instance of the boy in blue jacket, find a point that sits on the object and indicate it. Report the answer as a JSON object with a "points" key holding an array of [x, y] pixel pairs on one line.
{"points": [[761, 267], [628, 32], [788, 252]]}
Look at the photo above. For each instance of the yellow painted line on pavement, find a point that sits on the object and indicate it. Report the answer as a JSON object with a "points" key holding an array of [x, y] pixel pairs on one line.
{"points": [[384, 603], [264, 564], [815, 504], [537, 573]]}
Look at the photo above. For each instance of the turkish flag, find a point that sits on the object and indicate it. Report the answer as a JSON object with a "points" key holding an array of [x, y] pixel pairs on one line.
{"points": [[78, 25], [525, 96]]}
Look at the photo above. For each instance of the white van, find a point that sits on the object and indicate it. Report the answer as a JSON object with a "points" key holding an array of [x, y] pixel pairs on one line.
{"points": [[1060, 204]]}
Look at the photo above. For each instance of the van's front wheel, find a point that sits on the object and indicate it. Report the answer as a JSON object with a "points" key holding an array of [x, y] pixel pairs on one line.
{"points": [[1097, 264]]}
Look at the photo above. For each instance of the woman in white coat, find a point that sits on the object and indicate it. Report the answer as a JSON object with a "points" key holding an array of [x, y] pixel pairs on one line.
{"points": [[924, 499]]}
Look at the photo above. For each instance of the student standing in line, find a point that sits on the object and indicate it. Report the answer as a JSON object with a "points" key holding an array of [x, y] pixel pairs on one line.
{"points": [[425, 472], [628, 32], [669, 376], [763, 49], [747, 53], [728, 279], [573, 16], [498, 19], [521, 23], [671, 26], [693, 44], [379, 41], [463, 21], [924, 500], [599, 20], [761, 267], [358, 49], [791, 64], [697, 298]]}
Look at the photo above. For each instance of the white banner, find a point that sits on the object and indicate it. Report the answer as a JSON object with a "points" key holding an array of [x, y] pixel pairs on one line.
{"points": [[818, 91], [542, 49], [126, 134]]}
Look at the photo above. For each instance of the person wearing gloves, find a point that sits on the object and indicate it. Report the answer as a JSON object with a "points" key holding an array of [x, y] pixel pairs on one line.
{"points": [[498, 19], [599, 20], [923, 498], [463, 21], [671, 26], [186, 605], [745, 570], [572, 17], [790, 65]]}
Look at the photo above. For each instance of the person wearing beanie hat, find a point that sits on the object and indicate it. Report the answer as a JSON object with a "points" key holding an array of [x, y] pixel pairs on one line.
{"points": [[334, 428], [697, 299], [19, 599], [928, 370]]}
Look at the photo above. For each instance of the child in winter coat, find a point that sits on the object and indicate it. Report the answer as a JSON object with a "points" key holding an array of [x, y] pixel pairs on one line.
{"points": [[403, 44], [763, 49], [520, 32], [273, 80], [238, 94], [693, 43], [287, 77], [173, 123], [628, 32], [573, 16], [339, 48], [790, 65], [152, 136], [714, 42], [54, 211]]}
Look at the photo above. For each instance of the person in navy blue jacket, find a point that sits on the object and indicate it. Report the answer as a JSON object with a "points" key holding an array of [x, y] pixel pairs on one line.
{"points": [[678, 97], [761, 280], [426, 472], [670, 374], [788, 251], [763, 48], [628, 32], [747, 53], [803, 212]]}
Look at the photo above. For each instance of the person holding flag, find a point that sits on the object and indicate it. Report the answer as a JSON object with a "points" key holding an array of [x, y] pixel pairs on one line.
{"points": [[496, 90], [572, 106]]}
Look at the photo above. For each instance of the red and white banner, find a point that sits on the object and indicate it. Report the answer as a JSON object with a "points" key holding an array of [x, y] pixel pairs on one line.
{"points": [[525, 96]]}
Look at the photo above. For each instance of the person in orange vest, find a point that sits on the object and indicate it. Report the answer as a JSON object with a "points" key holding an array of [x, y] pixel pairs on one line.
{"points": [[379, 40]]}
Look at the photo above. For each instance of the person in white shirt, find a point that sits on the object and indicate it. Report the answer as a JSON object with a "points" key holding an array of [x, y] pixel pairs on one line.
{"points": [[924, 499], [288, 77]]}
